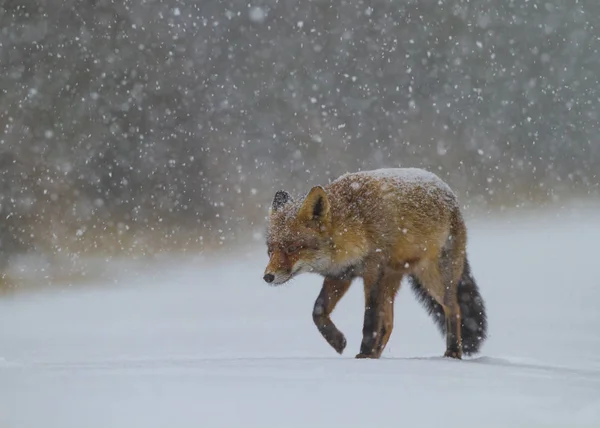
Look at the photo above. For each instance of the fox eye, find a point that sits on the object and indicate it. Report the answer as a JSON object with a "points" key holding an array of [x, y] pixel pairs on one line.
{"points": [[291, 249]]}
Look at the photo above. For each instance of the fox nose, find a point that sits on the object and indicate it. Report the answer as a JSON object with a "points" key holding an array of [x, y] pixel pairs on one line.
{"points": [[269, 277]]}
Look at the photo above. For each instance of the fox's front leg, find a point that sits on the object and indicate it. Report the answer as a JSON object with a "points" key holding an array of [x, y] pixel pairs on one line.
{"points": [[391, 285], [372, 324], [331, 293]]}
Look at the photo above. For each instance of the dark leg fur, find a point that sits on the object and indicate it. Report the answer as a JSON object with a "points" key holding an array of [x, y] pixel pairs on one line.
{"points": [[371, 324], [372, 320], [472, 307], [453, 348], [332, 291]]}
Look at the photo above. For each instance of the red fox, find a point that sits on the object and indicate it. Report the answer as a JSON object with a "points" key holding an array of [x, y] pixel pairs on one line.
{"points": [[380, 226]]}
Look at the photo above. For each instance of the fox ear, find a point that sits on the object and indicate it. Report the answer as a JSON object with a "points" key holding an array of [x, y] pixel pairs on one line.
{"points": [[281, 198], [315, 206]]}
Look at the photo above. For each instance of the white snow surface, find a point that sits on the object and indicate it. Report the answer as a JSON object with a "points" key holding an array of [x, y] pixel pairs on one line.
{"points": [[209, 344]]}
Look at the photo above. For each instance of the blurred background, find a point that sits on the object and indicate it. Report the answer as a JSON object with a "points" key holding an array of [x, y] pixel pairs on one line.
{"points": [[142, 127]]}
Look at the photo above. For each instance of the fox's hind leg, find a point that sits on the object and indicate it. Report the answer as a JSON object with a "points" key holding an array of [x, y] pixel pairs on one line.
{"points": [[434, 279], [453, 333], [451, 266], [332, 291]]}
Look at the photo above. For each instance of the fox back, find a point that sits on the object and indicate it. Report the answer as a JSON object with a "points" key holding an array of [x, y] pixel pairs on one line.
{"points": [[402, 213]]}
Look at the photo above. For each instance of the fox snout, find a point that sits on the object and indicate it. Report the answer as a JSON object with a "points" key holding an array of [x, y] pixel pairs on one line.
{"points": [[279, 268], [276, 277], [277, 273]]}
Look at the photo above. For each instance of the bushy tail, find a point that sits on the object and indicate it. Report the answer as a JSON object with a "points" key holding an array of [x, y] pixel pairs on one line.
{"points": [[472, 307]]}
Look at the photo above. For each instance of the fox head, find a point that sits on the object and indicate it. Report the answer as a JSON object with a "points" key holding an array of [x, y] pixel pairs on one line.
{"points": [[298, 238]]}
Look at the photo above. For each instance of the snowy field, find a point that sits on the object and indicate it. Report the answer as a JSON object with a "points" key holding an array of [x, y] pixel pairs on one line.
{"points": [[209, 344]]}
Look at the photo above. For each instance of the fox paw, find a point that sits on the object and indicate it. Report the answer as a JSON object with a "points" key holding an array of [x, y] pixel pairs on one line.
{"points": [[338, 343], [453, 354], [363, 356]]}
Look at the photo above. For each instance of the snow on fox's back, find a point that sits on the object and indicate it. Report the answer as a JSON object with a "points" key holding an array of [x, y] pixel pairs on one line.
{"points": [[400, 175], [403, 178]]}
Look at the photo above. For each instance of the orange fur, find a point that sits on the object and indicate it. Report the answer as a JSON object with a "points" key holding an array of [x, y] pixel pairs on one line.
{"points": [[378, 225]]}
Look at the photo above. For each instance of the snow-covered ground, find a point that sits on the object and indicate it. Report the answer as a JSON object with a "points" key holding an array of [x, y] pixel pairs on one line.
{"points": [[207, 344]]}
